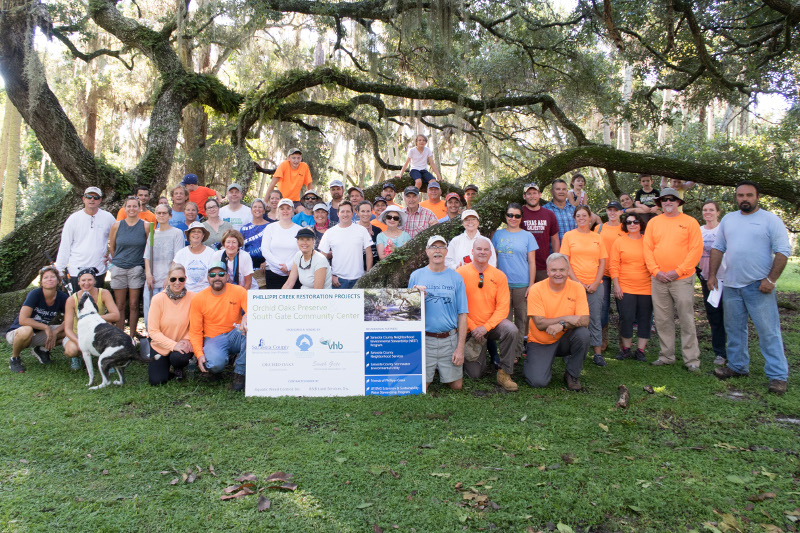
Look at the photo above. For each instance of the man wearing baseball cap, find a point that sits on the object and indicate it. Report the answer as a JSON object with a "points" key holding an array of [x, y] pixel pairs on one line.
{"points": [[305, 217], [446, 312], [236, 212], [336, 189], [470, 192], [218, 325], [388, 191], [418, 218], [434, 202], [542, 224], [452, 203], [84, 239], [291, 176], [198, 194]]}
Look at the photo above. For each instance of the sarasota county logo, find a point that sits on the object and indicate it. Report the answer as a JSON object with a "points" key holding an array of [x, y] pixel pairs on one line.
{"points": [[264, 346], [304, 342]]}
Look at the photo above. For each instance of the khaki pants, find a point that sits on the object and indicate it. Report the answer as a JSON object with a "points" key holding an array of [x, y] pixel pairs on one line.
{"points": [[668, 298]]}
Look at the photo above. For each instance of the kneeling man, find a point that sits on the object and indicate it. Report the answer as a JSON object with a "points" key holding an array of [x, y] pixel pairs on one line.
{"points": [[445, 314], [217, 325], [489, 298], [559, 315]]}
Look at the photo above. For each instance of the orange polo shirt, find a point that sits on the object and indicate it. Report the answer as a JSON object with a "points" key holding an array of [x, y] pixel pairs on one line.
{"points": [[546, 303], [673, 243], [609, 235], [439, 209], [147, 216], [291, 181], [168, 321], [211, 315], [489, 305], [626, 262], [200, 196], [584, 250]]}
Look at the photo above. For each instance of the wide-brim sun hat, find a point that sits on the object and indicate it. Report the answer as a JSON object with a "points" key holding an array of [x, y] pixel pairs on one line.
{"points": [[197, 225], [396, 210], [669, 191]]}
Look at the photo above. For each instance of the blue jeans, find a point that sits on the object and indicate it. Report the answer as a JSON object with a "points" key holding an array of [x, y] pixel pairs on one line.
{"points": [[763, 311], [147, 298], [347, 283], [217, 349]]}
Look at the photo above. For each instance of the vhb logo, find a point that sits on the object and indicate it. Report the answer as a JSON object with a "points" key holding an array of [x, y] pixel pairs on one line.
{"points": [[332, 345]]}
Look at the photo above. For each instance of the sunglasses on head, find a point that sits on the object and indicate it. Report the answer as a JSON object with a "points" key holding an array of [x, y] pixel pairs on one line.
{"points": [[513, 215], [173, 280], [392, 217], [216, 274], [91, 196]]}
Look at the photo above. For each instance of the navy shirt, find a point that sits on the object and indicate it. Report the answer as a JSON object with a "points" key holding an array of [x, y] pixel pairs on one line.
{"points": [[41, 311]]}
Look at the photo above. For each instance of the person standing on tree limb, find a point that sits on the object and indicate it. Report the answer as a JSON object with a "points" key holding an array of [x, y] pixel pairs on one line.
{"points": [[756, 245], [291, 176], [84, 238]]}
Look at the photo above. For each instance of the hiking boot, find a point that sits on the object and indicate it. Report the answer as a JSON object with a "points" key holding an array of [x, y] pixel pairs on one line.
{"points": [[573, 384], [76, 363], [777, 386], [660, 362], [604, 344], [15, 364], [238, 382], [625, 353], [41, 355], [720, 361], [505, 381], [725, 372], [599, 360], [639, 356]]}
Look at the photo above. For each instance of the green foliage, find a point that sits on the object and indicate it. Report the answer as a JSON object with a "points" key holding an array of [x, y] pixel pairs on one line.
{"points": [[210, 91]]}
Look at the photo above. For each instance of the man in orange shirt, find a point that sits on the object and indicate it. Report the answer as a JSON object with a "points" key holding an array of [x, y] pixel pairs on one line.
{"points": [[143, 194], [218, 325], [559, 318], [673, 245], [198, 193], [488, 298], [434, 201], [291, 176]]}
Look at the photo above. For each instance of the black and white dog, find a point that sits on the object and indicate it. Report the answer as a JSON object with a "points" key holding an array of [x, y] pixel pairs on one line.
{"points": [[110, 345]]}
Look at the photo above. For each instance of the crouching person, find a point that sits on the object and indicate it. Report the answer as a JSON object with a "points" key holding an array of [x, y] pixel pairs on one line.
{"points": [[489, 298], [217, 325], [559, 315], [168, 327]]}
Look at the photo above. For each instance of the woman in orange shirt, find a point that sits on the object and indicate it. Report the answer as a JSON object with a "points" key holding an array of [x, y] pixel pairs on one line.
{"points": [[587, 262], [610, 232], [631, 281]]}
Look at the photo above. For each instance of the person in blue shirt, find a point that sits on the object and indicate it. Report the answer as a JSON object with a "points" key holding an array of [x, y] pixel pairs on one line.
{"points": [[446, 312], [561, 208], [305, 218], [756, 246]]}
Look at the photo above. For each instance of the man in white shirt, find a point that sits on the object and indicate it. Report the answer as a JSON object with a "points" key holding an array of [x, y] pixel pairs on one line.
{"points": [[235, 212], [344, 245], [84, 239]]}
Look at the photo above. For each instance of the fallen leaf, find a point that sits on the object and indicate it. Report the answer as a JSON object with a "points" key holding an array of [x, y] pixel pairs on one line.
{"points": [[247, 476], [393, 473], [23, 461], [564, 528], [426, 446], [376, 528], [648, 389], [285, 486], [711, 527], [279, 476], [770, 475], [761, 497], [459, 486], [244, 492], [191, 478], [524, 418], [568, 458], [364, 505], [771, 528], [624, 396], [739, 480], [231, 489], [163, 472], [730, 521], [635, 508], [377, 470], [174, 481], [263, 504], [440, 474], [377, 413], [104, 473], [211, 470], [340, 460], [604, 428]]}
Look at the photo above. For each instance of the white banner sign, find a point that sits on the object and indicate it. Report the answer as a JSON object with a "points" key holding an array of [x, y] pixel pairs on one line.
{"points": [[335, 342]]}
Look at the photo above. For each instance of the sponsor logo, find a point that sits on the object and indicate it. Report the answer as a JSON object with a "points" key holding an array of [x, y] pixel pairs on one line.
{"points": [[304, 342], [264, 346], [332, 345]]}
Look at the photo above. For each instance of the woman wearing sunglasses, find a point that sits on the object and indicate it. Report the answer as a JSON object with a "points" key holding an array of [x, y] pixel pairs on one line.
{"points": [[587, 261], [168, 326], [516, 258], [632, 285], [393, 237]]}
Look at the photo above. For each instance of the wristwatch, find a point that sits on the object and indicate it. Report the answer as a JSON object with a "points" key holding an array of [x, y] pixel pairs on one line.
{"points": [[563, 325]]}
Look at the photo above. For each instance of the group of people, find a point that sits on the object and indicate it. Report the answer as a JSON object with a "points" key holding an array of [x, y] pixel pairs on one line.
{"points": [[546, 277]]}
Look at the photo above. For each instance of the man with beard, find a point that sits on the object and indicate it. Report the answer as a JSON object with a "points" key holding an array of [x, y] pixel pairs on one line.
{"points": [[542, 224], [305, 218], [446, 311], [562, 209], [673, 245], [757, 247], [336, 189], [389, 192], [218, 325]]}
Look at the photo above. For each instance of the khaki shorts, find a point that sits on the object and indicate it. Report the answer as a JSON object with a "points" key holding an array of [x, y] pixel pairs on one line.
{"points": [[39, 338], [127, 278], [439, 354]]}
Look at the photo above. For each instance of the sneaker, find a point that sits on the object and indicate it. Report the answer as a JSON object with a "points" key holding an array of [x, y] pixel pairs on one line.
{"points": [[625, 353], [41, 355], [505, 381], [76, 363], [599, 360], [725, 372], [777, 386], [573, 384], [693, 368], [238, 382], [639, 356], [720, 361], [660, 362], [15, 364]]}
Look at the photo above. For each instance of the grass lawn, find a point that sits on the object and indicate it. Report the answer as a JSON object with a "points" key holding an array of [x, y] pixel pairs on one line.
{"points": [[698, 454]]}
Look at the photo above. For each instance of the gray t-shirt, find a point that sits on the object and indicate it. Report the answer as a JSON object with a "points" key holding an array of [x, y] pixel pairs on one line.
{"points": [[306, 271], [165, 245], [129, 245]]}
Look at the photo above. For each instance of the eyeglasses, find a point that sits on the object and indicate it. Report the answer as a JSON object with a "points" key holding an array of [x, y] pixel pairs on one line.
{"points": [[392, 217], [437, 247], [217, 274], [91, 196], [173, 280], [480, 280], [513, 215], [669, 199]]}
